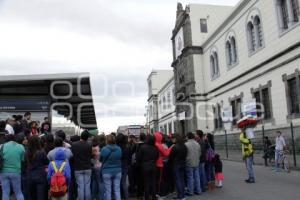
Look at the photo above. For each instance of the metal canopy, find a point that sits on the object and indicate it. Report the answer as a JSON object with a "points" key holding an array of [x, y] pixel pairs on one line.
{"points": [[63, 90]]}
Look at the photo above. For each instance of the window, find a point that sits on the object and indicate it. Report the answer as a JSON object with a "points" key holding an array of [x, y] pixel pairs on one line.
{"points": [[203, 25], [295, 8], [164, 103], [293, 96], [170, 128], [173, 96], [165, 129], [292, 89], [214, 65], [251, 36], [169, 99], [150, 111], [254, 29], [218, 116], [262, 95], [236, 109], [231, 53], [259, 34], [284, 14]]}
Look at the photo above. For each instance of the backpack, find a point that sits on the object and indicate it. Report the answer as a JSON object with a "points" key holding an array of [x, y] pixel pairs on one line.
{"points": [[210, 154], [58, 183]]}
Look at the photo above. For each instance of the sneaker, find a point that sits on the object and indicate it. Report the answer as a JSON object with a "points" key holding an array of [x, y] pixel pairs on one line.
{"points": [[250, 181]]}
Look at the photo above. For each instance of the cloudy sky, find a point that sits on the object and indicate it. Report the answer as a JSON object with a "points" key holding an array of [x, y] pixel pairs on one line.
{"points": [[118, 41]]}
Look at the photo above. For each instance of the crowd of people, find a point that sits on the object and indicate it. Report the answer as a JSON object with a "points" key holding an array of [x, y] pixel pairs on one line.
{"points": [[39, 165]]}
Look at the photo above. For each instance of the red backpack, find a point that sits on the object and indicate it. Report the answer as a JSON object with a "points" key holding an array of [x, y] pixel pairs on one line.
{"points": [[58, 183]]}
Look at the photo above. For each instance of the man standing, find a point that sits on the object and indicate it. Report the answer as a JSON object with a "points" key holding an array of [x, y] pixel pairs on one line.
{"points": [[247, 152], [10, 174], [192, 165], [280, 146], [82, 155]]}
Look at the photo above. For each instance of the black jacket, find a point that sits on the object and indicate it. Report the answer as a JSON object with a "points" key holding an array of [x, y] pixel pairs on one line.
{"points": [[178, 155], [218, 166], [147, 156]]}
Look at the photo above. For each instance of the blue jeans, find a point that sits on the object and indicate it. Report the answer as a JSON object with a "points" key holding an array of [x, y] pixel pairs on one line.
{"points": [[109, 180], [249, 166], [8, 180], [278, 158], [178, 171], [83, 180], [203, 181], [193, 180]]}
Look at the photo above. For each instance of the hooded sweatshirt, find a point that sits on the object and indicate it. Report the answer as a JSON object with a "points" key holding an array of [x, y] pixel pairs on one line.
{"points": [[163, 152], [60, 157]]}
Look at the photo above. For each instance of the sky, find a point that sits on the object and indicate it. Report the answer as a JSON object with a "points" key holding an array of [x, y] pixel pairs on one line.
{"points": [[118, 42]]}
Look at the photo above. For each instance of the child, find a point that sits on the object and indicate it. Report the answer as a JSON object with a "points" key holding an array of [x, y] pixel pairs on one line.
{"points": [[219, 176], [59, 176]]}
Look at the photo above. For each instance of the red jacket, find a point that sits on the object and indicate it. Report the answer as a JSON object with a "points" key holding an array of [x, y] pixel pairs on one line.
{"points": [[163, 152]]}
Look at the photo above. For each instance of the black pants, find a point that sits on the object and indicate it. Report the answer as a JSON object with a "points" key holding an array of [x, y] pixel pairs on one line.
{"points": [[149, 176]]}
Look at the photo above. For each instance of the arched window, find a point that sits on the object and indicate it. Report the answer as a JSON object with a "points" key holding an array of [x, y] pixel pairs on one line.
{"points": [[164, 103], [295, 8], [258, 30], [251, 36], [284, 14], [212, 66], [233, 50], [228, 53]]}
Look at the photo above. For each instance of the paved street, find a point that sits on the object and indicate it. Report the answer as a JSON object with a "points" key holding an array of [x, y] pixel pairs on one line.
{"points": [[269, 186]]}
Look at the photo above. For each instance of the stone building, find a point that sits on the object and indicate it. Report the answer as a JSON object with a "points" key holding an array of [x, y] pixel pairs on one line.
{"points": [[224, 57]]}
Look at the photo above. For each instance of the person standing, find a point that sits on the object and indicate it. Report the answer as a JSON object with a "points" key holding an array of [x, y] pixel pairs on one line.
{"points": [[163, 152], [110, 157], [202, 174], [267, 146], [192, 165], [82, 155], [280, 146], [10, 174], [147, 157], [177, 160], [36, 160], [247, 152]]}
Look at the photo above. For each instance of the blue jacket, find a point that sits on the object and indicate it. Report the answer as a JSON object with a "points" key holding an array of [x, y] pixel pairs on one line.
{"points": [[113, 164], [60, 157]]}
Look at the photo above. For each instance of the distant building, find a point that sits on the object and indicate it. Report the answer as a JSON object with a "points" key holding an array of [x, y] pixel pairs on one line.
{"points": [[161, 115], [135, 130]]}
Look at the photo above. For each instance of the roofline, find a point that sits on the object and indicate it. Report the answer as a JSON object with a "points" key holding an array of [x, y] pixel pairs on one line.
{"points": [[165, 86], [240, 5], [37, 77]]}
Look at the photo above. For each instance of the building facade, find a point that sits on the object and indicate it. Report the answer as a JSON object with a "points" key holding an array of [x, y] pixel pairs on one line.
{"points": [[157, 79], [228, 56]]}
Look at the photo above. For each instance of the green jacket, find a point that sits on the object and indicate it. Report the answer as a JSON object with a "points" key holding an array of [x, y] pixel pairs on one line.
{"points": [[13, 154], [247, 147]]}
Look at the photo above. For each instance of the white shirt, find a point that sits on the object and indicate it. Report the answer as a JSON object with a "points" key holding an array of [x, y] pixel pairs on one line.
{"points": [[9, 129], [280, 143]]}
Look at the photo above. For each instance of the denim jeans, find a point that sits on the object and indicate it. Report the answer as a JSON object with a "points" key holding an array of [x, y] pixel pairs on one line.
{"points": [[109, 180], [11, 180], [83, 180], [95, 184], [124, 184], [178, 171], [278, 158], [203, 181], [249, 166], [193, 180]]}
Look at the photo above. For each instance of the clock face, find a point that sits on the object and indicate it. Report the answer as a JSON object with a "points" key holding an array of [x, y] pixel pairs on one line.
{"points": [[179, 45]]}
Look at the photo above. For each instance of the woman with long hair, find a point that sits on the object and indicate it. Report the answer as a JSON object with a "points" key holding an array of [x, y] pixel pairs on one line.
{"points": [[37, 161]]}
